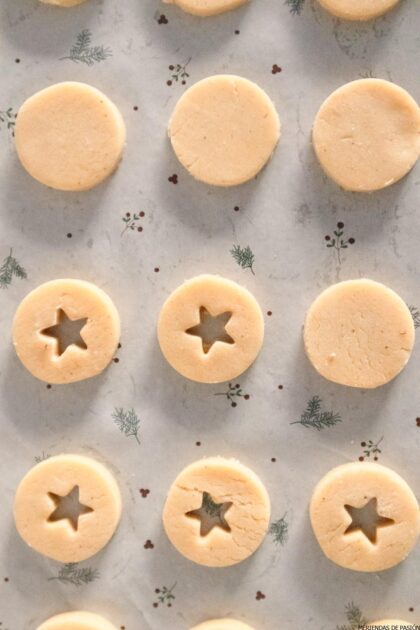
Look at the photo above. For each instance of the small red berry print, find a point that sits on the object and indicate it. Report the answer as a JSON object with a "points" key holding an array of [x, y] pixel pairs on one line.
{"points": [[144, 492], [328, 237], [155, 604], [173, 179], [259, 596], [142, 214], [116, 360], [273, 459], [157, 590], [275, 69], [156, 269], [280, 387], [148, 545], [361, 458], [269, 313], [198, 443], [169, 82], [362, 443], [171, 67], [340, 225], [352, 241], [247, 397], [236, 208], [237, 32]]}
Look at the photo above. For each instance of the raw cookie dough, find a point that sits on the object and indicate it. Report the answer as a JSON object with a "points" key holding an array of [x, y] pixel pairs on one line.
{"points": [[63, 3], [355, 485], [38, 497], [77, 621], [187, 306], [391, 624], [79, 300], [222, 624], [248, 517], [359, 333], [207, 7], [224, 129], [69, 136], [366, 134], [358, 9]]}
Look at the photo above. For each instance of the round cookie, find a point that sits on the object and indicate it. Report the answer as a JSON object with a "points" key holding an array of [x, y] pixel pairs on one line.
{"points": [[222, 624], [63, 3], [69, 136], [358, 9], [366, 135], [41, 521], [335, 511], [207, 7], [391, 624], [77, 621], [43, 309], [235, 494], [359, 333], [224, 129], [201, 299]]}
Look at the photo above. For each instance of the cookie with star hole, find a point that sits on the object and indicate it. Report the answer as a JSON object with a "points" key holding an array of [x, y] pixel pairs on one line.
{"points": [[210, 329], [365, 517], [66, 331], [222, 624], [67, 507], [78, 620], [217, 512]]}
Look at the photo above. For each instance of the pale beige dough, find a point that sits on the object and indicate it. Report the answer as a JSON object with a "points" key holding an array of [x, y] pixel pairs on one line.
{"points": [[358, 9], [79, 300], [359, 333], [181, 311], [391, 624], [77, 621], [366, 134], [222, 624], [57, 539], [226, 480], [224, 129], [70, 136], [63, 3], [207, 7], [355, 484]]}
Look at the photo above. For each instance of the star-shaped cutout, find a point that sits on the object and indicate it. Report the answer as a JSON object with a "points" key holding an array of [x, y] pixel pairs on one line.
{"points": [[68, 508], [66, 332], [211, 329], [367, 520], [211, 515]]}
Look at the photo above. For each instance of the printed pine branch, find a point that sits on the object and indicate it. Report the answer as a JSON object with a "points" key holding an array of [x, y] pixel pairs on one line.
{"points": [[314, 418], [244, 257], [295, 6], [280, 530], [354, 617], [71, 574], [415, 314], [127, 421], [10, 268], [83, 52]]}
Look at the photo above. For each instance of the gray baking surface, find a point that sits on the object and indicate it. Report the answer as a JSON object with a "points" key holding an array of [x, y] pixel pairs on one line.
{"points": [[190, 228]]}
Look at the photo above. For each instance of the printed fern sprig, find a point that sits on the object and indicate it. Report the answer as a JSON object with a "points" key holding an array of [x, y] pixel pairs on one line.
{"points": [[10, 268], [295, 6], [8, 116], [354, 618], [234, 391], [71, 574], [40, 458], [165, 595], [280, 530], [314, 417], [84, 52], [128, 422], [415, 314], [244, 257]]}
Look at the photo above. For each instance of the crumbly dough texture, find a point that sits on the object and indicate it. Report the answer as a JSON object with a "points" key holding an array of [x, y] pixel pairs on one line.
{"points": [[355, 484], [63, 3], [59, 475], [77, 620], [222, 624], [70, 136], [79, 300], [366, 135], [226, 480], [207, 7], [358, 9], [224, 129], [391, 624], [181, 311], [359, 333]]}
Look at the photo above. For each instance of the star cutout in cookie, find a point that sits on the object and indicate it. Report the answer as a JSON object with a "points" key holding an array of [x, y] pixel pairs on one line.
{"points": [[367, 520], [211, 329], [211, 515], [68, 507], [66, 332]]}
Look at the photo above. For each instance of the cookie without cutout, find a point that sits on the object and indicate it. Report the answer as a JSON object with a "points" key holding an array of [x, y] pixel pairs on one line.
{"points": [[391, 624], [338, 499], [207, 7], [77, 621], [224, 129], [359, 333], [70, 136], [236, 495], [366, 135], [39, 518], [210, 297], [78, 300], [358, 9], [222, 624]]}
